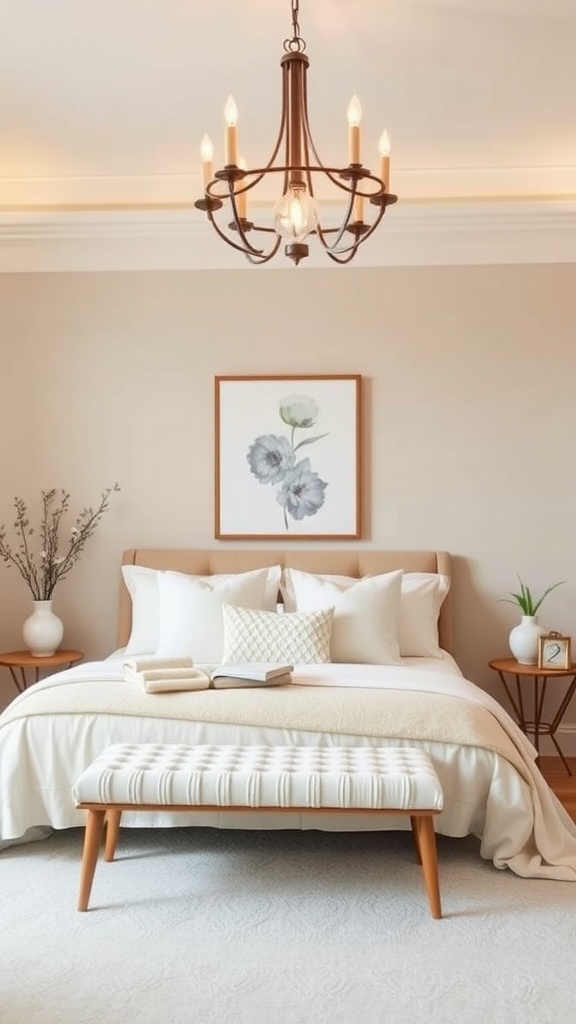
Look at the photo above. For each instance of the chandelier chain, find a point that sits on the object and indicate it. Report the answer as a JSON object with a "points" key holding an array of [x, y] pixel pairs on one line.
{"points": [[296, 44]]}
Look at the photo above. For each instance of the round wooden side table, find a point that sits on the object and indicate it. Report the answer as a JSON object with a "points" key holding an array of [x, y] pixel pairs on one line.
{"points": [[17, 662], [540, 677]]}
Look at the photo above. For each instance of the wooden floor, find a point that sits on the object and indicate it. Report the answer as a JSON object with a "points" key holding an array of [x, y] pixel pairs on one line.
{"points": [[564, 785]]}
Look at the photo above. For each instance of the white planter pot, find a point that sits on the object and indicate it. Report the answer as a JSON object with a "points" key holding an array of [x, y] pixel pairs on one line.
{"points": [[523, 640], [43, 630]]}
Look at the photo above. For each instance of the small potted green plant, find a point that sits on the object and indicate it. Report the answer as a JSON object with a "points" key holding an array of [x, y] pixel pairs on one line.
{"points": [[525, 599], [523, 639]]}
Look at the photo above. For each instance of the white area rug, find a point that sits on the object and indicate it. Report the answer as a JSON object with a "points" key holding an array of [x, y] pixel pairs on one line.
{"points": [[197, 926]]}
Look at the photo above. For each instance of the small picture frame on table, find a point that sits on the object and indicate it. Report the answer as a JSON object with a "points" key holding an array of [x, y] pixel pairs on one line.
{"points": [[554, 651]]}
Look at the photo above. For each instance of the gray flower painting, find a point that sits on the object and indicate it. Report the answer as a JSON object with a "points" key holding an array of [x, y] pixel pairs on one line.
{"points": [[273, 460]]}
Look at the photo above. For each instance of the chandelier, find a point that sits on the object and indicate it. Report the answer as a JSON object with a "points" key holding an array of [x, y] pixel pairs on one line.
{"points": [[227, 192]]}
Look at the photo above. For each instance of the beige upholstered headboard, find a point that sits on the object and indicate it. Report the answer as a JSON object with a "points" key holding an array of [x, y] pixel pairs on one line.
{"points": [[361, 562]]}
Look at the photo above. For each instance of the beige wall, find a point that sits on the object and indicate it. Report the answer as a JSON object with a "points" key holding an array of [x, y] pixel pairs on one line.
{"points": [[469, 419]]}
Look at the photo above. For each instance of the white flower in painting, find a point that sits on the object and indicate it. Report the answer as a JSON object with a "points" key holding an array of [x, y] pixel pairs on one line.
{"points": [[299, 411]]}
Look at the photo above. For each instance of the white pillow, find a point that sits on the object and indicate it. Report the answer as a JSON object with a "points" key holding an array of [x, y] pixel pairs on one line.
{"points": [[190, 609], [143, 587], [366, 612], [305, 591], [421, 598], [420, 602], [299, 638]]}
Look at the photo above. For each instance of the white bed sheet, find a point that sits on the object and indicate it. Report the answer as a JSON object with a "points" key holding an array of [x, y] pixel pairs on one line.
{"points": [[519, 822]]}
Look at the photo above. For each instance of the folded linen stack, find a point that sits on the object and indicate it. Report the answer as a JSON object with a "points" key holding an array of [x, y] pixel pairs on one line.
{"points": [[165, 675]]}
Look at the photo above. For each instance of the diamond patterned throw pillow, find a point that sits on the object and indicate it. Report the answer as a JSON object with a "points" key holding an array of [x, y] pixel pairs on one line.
{"points": [[295, 637]]}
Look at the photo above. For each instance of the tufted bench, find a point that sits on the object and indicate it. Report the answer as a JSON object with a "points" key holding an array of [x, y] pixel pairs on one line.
{"points": [[176, 777]]}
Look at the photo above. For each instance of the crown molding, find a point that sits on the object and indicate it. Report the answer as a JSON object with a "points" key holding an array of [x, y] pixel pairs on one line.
{"points": [[177, 237], [112, 191]]}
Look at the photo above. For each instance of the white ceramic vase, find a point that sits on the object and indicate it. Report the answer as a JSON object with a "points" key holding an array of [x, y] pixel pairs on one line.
{"points": [[523, 640], [43, 630]]}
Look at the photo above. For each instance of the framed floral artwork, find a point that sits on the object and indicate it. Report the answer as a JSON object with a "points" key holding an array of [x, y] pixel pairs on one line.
{"points": [[287, 457]]}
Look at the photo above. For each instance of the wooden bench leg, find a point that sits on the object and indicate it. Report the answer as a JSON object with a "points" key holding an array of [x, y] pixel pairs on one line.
{"points": [[416, 837], [112, 830], [425, 837], [92, 842]]}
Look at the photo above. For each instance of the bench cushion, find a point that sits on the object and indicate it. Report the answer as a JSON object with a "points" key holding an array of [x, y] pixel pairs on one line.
{"points": [[373, 778]]}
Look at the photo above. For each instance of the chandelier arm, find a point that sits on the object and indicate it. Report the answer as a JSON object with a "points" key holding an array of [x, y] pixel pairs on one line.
{"points": [[373, 226], [262, 227], [342, 228], [346, 259], [328, 171], [238, 226], [255, 256], [256, 176], [308, 137], [359, 171], [258, 173], [321, 233], [225, 237], [282, 128], [336, 174], [266, 257], [359, 239], [221, 180], [308, 169], [358, 175]]}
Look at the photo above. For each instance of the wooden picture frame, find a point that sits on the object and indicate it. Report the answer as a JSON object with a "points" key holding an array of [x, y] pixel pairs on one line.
{"points": [[554, 651], [287, 457]]}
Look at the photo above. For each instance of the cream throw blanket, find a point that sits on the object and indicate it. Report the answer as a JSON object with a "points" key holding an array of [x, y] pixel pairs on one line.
{"points": [[398, 707]]}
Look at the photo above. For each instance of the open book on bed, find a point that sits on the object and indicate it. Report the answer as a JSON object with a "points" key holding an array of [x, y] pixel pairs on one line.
{"points": [[176, 674], [254, 673]]}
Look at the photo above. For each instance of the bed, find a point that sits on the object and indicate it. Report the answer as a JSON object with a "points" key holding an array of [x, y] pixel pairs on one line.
{"points": [[370, 636]]}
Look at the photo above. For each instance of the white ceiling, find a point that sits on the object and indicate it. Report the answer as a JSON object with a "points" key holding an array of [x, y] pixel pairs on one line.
{"points": [[104, 105]]}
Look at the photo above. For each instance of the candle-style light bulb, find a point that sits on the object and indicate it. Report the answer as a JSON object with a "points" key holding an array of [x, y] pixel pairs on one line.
{"points": [[231, 132], [354, 113], [231, 112], [384, 163], [206, 153], [206, 148]]}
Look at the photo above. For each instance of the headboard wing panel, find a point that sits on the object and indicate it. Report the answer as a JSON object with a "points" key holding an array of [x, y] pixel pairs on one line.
{"points": [[353, 562]]}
